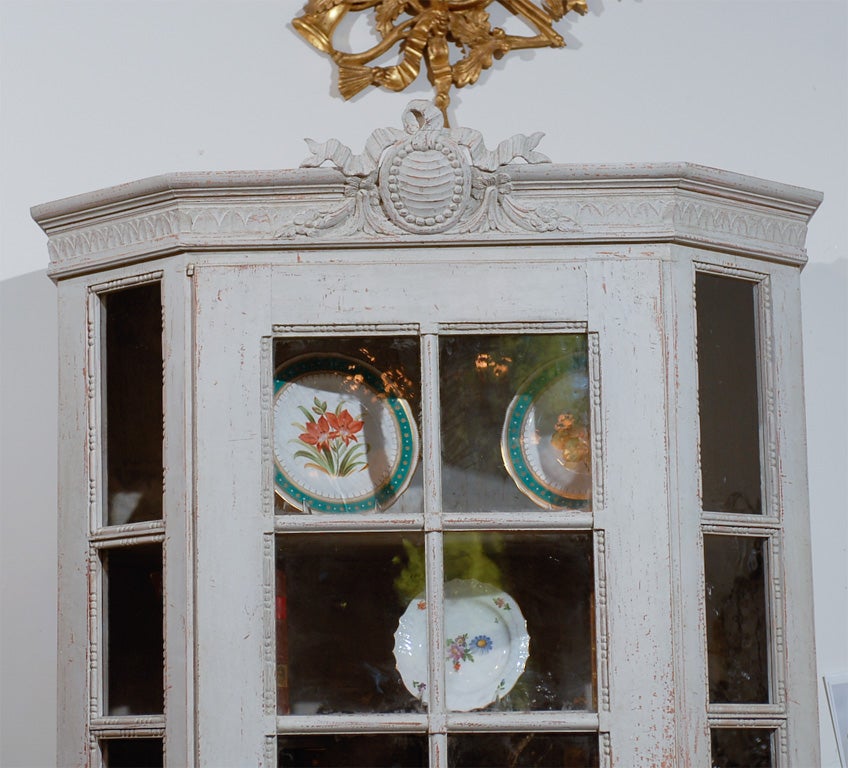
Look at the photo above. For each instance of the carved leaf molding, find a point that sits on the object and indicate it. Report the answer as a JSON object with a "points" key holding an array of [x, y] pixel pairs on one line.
{"points": [[360, 214]]}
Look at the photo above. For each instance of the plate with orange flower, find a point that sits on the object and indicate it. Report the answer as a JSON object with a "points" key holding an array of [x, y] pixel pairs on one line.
{"points": [[343, 442]]}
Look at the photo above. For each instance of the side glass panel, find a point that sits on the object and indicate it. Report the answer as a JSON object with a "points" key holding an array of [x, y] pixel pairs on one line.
{"points": [[133, 630], [339, 600], [132, 753], [728, 394], [132, 358], [515, 422], [523, 750], [741, 748], [519, 621], [369, 751], [347, 425], [735, 570]]}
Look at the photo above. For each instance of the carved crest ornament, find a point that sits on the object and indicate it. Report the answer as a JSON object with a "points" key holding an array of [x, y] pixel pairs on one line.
{"points": [[427, 179], [430, 31]]}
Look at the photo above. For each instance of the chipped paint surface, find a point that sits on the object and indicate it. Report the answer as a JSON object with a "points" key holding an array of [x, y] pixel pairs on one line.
{"points": [[625, 278]]}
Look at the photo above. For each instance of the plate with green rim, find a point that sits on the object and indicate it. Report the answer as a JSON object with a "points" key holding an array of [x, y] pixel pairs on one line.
{"points": [[545, 442], [343, 441]]}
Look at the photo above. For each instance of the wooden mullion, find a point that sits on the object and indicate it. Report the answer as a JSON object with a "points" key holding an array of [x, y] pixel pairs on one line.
{"points": [[554, 722], [542, 520], [329, 523], [401, 722], [746, 715]]}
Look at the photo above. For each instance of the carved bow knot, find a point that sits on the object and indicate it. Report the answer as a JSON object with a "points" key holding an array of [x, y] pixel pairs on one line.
{"points": [[355, 185]]}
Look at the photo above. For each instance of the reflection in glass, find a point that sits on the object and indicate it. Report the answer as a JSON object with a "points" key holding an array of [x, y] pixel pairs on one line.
{"points": [[389, 750], [346, 424], [132, 359], [523, 750], [132, 753], [741, 748], [550, 578], [515, 422], [339, 600], [737, 624], [728, 397], [133, 630]]}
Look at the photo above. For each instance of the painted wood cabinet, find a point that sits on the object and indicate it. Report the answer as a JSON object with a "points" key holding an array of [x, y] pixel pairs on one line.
{"points": [[322, 428]]}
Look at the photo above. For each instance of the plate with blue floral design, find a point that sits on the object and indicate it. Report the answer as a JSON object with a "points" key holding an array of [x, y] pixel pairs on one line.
{"points": [[343, 441], [486, 645], [545, 442]]}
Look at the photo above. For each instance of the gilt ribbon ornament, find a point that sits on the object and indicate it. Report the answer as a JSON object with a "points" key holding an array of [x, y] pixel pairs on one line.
{"points": [[425, 31]]}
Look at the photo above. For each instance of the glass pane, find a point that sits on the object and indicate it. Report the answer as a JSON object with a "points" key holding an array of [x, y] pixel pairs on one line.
{"points": [[134, 431], [339, 600], [395, 750], [737, 619], [728, 394], [518, 622], [134, 630], [523, 750], [132, 753], [741, 748], [347, 424], [515, 422]]}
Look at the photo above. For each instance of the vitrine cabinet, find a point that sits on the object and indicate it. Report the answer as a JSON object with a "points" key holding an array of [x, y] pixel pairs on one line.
{"points": [[435, 456]]}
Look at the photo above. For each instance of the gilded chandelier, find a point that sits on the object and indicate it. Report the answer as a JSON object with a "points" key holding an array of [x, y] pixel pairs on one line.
{"points": [[424, 31]]}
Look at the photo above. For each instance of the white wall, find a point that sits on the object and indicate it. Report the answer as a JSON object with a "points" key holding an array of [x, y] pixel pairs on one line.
{"points": [[97, 92]]}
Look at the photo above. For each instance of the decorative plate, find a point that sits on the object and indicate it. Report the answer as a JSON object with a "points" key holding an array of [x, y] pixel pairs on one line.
{"points": [[486, 645], [342, 443], [545, 441]]}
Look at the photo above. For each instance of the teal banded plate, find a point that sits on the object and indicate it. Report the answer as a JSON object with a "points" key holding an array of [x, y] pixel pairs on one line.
{"points": [[342, 442], [545, 442]]}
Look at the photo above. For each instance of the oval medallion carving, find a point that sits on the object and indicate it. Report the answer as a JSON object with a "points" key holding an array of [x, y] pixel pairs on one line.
{"points": [[425, 182]]}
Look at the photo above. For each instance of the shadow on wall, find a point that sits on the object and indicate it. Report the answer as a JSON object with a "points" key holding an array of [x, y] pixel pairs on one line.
{"points": [[28, 432], [824, 289]]}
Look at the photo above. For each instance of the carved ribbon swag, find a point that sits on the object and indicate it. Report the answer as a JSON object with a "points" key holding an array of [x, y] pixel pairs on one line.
{"points": [[424, 30]]}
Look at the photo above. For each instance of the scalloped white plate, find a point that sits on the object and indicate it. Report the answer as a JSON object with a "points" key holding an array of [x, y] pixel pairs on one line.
{"points": [[486, 645]]}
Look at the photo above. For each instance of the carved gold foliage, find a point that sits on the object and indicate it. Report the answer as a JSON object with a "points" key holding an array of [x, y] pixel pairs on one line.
{"points": [[423, 32], [470, 27], [474, 33], [387, 13], [558, 8]]}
